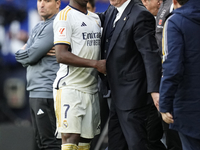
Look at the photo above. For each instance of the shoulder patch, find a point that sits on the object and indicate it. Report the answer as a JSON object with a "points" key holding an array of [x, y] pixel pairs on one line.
{"points": [[62, 32]]}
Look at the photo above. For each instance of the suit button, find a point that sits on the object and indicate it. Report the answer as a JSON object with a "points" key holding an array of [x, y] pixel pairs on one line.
{"points": [[104, 51], [106, 40]]}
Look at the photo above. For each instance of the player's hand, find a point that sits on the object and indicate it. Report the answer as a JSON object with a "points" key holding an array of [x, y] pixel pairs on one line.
{"points": [[155, 97], [51, 52], [167, 117], [101, 66], [24, 47]]}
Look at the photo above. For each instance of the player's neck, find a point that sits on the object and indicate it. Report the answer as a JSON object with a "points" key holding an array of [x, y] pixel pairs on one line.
{"points": [[82, 8]]}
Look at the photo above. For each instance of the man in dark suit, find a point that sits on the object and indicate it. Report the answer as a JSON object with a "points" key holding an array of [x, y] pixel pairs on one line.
{"points": [[133, 71]]}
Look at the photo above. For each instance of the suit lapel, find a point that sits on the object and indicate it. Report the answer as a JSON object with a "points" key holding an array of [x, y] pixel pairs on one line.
{"points": [[120, 25], [106, 22]]}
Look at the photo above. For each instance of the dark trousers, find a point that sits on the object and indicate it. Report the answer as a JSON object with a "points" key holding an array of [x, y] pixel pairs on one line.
{"points": [[127, 129], [155, 130], [44, 123], [173, 141], [189, 143]]}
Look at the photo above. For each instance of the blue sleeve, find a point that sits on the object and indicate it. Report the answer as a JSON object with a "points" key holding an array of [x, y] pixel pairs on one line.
{"points": [[173, 67], [38, 49]]}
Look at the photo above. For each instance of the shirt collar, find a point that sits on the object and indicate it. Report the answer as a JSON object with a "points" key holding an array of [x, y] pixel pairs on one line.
{"points": [[120, 11], [50, 19], [123, 6]]}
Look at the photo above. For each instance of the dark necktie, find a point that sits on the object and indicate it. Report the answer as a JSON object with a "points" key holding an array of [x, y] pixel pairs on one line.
{"points": [[110, 26]]}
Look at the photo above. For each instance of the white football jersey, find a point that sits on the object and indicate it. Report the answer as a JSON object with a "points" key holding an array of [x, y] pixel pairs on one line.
{"points": [[82, 32]]}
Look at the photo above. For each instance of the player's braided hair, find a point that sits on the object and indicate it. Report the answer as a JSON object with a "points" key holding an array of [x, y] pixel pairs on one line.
{"points": [[182, 2]]}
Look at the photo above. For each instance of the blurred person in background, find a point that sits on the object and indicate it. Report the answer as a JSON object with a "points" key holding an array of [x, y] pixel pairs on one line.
{"points": [[171, 137], [154, 124], [152, 6], [14, 106], [38, 55], [179, 91], [91, 5]]}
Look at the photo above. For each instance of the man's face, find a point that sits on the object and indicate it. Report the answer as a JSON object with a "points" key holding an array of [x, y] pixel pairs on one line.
{"points": [[153, 6], [117, 3], [47, 8]]}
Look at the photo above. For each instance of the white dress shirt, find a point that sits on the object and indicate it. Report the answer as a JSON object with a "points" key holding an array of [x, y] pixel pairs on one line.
{"points": [[120, 11]]}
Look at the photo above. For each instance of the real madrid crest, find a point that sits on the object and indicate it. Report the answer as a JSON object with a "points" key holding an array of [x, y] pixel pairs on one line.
{"points": [[65, 124]]}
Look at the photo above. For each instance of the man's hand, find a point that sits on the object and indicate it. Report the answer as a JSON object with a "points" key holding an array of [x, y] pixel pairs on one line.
{"points": [[155, 97], [167, 117], [51, 52], [101, 66]]}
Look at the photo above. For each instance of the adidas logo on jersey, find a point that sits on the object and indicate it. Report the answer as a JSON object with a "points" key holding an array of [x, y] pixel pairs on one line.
{"points": [[83, 24], [40, 112]]}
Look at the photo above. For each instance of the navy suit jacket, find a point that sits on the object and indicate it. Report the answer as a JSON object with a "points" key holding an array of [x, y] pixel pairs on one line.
{"points": [[133, 62]]}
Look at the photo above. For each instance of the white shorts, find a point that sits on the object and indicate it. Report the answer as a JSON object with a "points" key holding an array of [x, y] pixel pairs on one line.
{"points": [[77, 112]]}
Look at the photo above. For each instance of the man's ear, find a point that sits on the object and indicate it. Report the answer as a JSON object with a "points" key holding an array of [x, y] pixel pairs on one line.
{"points": [[175, 3], [58, 3], [144, 2]]}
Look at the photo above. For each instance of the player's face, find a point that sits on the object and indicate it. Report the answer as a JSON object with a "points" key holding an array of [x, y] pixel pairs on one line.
{"points": [[47, 8], [117, 3], [82, 3]]}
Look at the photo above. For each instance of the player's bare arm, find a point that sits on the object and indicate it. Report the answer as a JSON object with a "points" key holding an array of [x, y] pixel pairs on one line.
{"points": [[66, 57]]}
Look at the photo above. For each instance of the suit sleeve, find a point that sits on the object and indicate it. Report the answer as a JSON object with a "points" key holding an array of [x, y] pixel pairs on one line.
{"points": [[102, 15], [173, 48], [144, 35], [35, 51]]}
